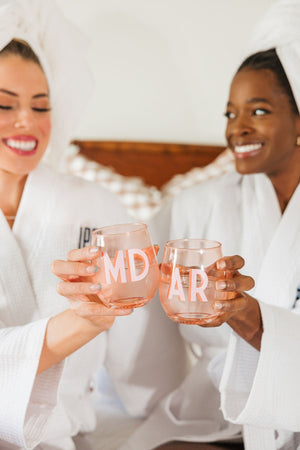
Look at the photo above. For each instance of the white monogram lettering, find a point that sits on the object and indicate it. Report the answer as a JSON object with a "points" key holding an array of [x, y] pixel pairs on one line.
{"points": [[194, 291], [116, 269]]}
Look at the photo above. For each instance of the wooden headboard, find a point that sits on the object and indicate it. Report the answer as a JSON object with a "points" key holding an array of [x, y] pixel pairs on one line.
{"points": [[155, 162]]}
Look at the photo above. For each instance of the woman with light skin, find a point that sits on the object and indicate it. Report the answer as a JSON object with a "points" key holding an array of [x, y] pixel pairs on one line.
{"points": [[25, 126], [50, 346]]}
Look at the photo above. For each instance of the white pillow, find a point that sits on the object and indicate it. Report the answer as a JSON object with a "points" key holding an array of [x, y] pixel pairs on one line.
{"points": [[143, 201]]}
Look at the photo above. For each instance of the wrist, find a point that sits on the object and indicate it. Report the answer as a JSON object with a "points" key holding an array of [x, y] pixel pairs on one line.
{"points": [[247, 323], [66, 333]]}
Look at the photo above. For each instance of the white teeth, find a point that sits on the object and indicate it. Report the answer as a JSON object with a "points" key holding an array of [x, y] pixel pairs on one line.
{"points": [[26, 146], [247, 148]]}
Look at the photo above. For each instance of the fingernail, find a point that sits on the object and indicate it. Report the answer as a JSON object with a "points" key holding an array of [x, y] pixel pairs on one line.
{"points": [[95, 287], [218, 305], [94, 250], [91, 269], [126, 312], [220, 285], [221, 264]]}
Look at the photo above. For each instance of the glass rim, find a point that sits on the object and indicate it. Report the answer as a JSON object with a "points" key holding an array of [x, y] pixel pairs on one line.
{"points": [[172, 244], [101, 231]]}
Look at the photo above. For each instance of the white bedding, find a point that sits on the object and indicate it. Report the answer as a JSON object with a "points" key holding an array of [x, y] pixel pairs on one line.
{"points": [[114, 425]]}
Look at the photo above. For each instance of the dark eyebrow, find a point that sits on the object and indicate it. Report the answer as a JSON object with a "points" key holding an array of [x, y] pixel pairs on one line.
{"points": [[258, 100], [254, 100], [5, 91], [40, 95]]}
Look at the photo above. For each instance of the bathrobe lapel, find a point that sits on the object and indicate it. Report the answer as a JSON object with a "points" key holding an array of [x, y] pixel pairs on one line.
{"points": [[261, 216], [271, 242], [18, 304], [279, 275], [16, 291]]}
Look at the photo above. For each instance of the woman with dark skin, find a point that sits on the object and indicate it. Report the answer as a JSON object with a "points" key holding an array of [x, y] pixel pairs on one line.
{"points": [[263, 129], [253, 213], [275, 130], [261, 112]]}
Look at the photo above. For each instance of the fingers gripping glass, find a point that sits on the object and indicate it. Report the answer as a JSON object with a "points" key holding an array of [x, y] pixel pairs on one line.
{"points": [[188, 275], [128, 269]]}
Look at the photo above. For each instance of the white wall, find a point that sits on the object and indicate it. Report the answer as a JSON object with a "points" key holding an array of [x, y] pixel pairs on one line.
{"points": [[162, 67]]}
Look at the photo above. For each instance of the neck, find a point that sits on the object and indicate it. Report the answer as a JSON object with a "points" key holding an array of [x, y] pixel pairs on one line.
{"points": [[11, 190], [285, 183], [284, 192]]}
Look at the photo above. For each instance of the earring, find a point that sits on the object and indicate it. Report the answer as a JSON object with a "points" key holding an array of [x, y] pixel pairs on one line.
{"points": [[298, 141]]}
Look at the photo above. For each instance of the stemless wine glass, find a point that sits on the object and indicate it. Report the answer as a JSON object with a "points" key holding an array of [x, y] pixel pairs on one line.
{"points": [[188, 275], [128, 269]]}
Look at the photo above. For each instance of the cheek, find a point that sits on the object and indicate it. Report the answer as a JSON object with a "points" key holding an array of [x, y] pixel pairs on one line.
{"points": [[45, 127], [5, 121], [284, 135], [227, 132]]}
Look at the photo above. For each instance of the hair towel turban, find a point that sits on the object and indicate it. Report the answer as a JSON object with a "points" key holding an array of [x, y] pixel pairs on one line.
{"points": [[279, 28], [62, 49]]}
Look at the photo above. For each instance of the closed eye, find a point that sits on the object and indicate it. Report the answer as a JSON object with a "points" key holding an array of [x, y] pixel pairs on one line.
{"points": [[5, 107], [41, 109]]}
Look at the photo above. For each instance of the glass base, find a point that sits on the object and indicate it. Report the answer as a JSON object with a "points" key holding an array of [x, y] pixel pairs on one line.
{"points": [[128, 303], [192, 318]]}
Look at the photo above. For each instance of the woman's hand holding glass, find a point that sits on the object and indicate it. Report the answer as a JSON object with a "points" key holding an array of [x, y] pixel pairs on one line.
{"points": [[118, 273], [231, 286], [199, 286], [187, 285], [209, 293], [78, 287], [128, 268], [240, 310]]}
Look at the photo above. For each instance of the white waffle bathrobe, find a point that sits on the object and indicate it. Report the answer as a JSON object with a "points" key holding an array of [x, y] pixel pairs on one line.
{"points": [[242, 212], [56, 214]]}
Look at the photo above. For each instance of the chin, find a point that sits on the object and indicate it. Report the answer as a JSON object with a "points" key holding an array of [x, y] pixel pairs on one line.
{"points": [[21, 168], [246, 169]]}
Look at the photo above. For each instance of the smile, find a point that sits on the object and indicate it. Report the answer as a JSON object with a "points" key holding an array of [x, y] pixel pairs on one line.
{"points": [[245, 151], [24, 146]]}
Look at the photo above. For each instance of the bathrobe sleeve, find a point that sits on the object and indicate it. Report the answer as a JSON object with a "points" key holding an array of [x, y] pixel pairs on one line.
{"points": [[26, 399], [260, 388]]}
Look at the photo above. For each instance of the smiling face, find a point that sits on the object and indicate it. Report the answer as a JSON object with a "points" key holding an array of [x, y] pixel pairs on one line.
{"points": [[24, 114], [262, 127]]}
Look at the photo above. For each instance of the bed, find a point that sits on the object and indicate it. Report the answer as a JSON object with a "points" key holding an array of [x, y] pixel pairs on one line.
{"points": [[146, 159], [145, 174]]}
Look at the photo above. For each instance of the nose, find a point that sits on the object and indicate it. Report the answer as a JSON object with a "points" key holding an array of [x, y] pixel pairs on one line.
{"points": [[24, 119], [240, 126]]}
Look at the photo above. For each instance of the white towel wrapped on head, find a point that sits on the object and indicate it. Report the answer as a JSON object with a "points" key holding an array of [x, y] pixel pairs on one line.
{"points": [[61, 49], [280, 29]]}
